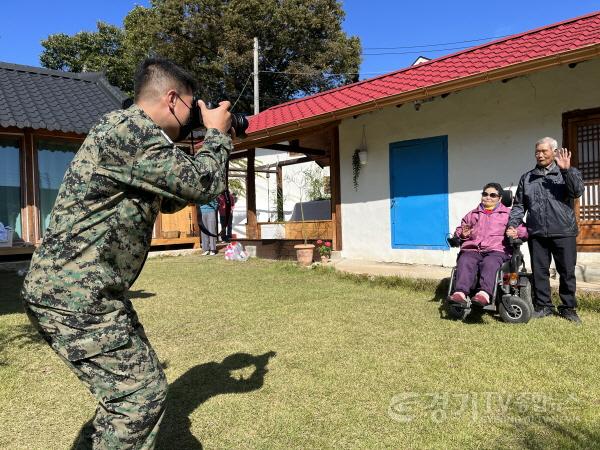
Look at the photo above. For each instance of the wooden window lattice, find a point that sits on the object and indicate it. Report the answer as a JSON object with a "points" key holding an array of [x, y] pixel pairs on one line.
{"points": [[588, 151]]}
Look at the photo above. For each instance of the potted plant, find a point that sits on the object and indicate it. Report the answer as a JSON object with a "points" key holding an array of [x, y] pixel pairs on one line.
{"points": [[324, 248], [304, 252]]}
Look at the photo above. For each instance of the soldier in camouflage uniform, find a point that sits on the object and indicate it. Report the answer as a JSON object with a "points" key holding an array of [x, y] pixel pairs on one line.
{"points": [[126, 171]]}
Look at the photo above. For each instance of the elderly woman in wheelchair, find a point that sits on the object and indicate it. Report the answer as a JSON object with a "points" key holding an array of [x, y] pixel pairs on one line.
{"points": [[484, 247]]}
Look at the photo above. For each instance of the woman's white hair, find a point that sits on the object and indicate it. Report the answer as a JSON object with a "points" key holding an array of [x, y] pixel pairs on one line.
{"points": [[547, 140]]}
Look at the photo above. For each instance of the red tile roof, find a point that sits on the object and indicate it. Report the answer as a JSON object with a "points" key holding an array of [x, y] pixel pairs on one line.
{"points": [[550, 40]]}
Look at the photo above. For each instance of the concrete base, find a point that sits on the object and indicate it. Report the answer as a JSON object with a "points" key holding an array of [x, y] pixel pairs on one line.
{"points": [[181, 252], [14, 266], [336, 255], [273, 248], [589, 274]]}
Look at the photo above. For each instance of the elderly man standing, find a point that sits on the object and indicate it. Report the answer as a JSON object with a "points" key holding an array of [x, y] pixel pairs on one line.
{"points": [[547, 194]]}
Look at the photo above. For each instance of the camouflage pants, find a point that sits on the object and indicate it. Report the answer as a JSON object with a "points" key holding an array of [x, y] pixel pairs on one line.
{"points": [[113, 357]]}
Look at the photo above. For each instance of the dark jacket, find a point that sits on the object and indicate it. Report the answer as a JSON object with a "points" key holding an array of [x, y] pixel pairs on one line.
{"points": [[548, 201]]}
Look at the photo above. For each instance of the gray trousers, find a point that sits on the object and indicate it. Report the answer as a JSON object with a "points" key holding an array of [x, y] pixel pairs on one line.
{"points": [[209, 220]]}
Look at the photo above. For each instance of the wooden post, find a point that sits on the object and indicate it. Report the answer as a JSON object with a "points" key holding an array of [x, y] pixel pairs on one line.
{"points": [[251, 224], [280, 217], [158, 226], [31, 231], [336, 198]]}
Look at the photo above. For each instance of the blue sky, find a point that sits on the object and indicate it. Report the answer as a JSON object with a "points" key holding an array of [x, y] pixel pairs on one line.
{"points": [[379, 23]]}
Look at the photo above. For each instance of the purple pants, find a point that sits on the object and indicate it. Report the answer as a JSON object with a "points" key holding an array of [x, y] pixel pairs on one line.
{"points": [[470, 263]]}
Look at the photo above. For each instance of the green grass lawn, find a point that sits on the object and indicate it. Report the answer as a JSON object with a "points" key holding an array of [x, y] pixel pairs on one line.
{"points": [[266, 355]]}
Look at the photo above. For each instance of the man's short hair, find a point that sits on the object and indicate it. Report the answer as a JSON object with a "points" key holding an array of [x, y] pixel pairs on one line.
{"points": [[155, 76], [547, 140]]}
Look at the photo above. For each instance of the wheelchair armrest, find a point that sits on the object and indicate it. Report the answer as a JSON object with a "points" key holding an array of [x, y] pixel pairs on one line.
{"points": [[515, 242], [453, 241]]}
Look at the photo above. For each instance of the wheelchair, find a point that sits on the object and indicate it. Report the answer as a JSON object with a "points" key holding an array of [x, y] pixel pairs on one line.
{"points": [[512, 297]]}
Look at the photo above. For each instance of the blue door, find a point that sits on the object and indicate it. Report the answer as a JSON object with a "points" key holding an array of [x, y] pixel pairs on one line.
{"points": [[419, 193]]}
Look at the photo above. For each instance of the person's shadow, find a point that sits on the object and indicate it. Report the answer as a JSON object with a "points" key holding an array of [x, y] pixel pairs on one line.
{"points": [[199, 384], [191, 390]]}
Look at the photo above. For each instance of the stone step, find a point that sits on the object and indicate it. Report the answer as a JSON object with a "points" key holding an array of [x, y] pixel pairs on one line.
{"points": [[589, 274]]}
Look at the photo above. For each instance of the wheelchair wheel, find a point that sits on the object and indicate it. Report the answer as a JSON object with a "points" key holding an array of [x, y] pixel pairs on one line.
{"points": [[456, 312], [519, 310]]}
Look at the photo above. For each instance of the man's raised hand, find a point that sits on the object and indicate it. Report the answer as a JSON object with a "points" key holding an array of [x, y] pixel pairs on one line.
{"points": [[563, 158]]}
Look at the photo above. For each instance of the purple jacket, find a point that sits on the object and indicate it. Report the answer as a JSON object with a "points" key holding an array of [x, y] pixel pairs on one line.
{"points": [[488, 231]]}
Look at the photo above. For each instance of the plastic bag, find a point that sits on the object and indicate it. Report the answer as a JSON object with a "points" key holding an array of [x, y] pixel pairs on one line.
{"points": [[235, 252], [6, 236], [4, 232]]}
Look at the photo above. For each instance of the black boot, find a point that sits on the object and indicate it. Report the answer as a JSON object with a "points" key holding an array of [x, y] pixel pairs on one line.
{"points": [[571, 315], [540, 313]]}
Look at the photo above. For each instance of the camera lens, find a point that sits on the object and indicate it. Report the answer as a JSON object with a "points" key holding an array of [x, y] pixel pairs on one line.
{"points": [[239, 122]]}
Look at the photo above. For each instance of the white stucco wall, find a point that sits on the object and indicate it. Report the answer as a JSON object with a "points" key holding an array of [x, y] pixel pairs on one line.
{"points": [[491, 133]]}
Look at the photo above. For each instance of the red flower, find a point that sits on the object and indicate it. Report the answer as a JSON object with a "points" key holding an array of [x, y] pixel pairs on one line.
{"points": [[327, 244], [319, 242]]}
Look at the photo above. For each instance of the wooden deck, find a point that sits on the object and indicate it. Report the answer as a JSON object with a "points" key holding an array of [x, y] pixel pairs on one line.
{"points": [[277, 243], [309, 229], [19, 250], [194, 241]]}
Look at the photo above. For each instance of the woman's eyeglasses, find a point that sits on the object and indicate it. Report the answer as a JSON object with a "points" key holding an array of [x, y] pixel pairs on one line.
{"points": [[490, 194]]}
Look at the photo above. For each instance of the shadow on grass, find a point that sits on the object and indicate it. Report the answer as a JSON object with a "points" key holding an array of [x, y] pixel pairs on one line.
{"points": [[439, 288], [18, 336], [587, 300], [131, 295], [191, 390], [10, 296], [201, 383], [561, 428], [543, 435]]}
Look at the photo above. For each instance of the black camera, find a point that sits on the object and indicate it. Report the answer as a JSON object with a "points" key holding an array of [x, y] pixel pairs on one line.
{"points": [[238, 120]]}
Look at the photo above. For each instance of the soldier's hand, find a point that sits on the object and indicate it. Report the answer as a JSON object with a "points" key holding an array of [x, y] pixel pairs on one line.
{"points": [[219, 117], [563, 158], [512, 232]]}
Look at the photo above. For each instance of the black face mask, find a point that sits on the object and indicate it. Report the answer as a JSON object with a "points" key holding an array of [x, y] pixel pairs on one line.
{"points": [[186, 128]]}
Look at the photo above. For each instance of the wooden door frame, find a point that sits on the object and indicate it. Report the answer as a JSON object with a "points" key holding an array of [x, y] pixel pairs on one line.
{"points": [[569, 120]]}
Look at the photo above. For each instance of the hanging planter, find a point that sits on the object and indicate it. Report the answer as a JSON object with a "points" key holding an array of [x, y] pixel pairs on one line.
{"points": [[362, 156]]}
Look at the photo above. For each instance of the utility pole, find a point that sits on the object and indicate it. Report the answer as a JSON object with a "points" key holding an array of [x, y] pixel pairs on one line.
{"points": [[256, 105]]}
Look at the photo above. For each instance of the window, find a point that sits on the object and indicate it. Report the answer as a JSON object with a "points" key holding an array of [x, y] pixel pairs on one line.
{"points": [[582, 136], [10, 185], [54, 157]]}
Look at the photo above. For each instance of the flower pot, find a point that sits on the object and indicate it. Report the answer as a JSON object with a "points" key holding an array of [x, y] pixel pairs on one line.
{"points": [[304, 254]]}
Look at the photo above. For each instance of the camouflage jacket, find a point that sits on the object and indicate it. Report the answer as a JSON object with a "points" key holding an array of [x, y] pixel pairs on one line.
{"points": [[126, 171]]}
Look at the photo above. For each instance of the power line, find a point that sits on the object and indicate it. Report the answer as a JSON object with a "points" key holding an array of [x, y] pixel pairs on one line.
{"points": [[423, 49], [316, 72], [438, 44], [243, 89], [416, 52], [367, 54]]}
